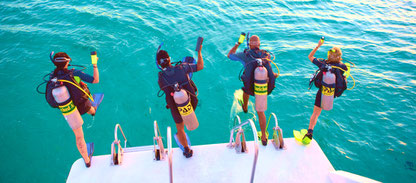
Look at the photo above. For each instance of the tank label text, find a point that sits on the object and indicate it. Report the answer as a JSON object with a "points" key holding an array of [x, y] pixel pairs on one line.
{"points": [[260, 89], [186, 110], [68, 109]]}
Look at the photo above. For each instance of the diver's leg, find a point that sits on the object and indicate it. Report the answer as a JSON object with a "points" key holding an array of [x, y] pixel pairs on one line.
{"points": [[262, 121], [91, 111], [314, 118], [245, 100], [181, 134], [81, 145]]}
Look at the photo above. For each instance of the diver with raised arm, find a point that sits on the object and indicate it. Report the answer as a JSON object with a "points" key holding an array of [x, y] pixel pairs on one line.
{"points": [[180, 91], [66, 90], [256, 63], [331, 83]]}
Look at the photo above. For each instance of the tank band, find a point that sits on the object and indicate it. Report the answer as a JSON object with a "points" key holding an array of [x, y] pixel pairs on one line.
{"points": [[68, 108], [260, 89]]}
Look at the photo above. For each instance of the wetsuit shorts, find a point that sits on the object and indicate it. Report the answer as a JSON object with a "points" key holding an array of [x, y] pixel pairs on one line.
{"points": [[318, 98], [247, 90], [84, 107]]}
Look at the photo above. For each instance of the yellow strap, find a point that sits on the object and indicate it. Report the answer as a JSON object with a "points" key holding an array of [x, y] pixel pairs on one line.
{"points": [[89, 96], [352, 85], [350, 75], [278, 71]]}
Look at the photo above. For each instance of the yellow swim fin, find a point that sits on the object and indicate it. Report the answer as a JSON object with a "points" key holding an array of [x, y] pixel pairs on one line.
{"points": [[259, 134], [299, 136]]}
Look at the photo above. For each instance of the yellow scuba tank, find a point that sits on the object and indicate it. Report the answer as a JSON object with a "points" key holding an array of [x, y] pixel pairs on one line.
{"points": [[68, 109], [328, 89], [260, 86], [183, 102]]}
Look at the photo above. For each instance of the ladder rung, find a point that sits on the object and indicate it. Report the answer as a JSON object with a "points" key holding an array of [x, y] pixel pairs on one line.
{"points": [[137, 149]]}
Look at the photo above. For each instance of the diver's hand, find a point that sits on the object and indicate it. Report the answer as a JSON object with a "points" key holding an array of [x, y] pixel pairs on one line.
{"points": [[320, 43]]}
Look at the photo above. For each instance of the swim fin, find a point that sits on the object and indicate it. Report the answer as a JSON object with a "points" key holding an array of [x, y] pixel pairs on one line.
{"points": [[98, 98], [259, 135], [299, 136], [179, 144], [90, 150], [239, 96]]}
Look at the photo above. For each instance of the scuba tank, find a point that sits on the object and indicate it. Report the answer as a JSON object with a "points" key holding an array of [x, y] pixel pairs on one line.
{"points": [[328, 89], [185, 108], [67, 106], [260, 86]]}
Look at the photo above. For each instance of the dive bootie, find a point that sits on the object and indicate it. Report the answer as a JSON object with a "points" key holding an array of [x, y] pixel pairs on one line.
{"points": [[308, 137], [179, 144], [90, 150], [188, 152], [264, 142]]}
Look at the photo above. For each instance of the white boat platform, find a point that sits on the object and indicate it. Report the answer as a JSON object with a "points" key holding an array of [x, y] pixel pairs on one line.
{"points": [[215, 163]]}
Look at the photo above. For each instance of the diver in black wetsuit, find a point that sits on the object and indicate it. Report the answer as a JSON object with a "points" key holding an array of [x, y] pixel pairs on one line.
{"points": [[178, 74]]}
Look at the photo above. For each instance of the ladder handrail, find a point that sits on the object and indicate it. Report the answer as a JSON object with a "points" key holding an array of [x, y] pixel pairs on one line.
{"points": [[256, 149], [237, 118], [240, 125], [121, 130], [236, 127], [275, 119], [255, 144], [170, 154]]}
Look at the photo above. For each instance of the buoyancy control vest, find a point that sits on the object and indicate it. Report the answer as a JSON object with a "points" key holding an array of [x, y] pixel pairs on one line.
{"points": [[340, 83], [176, 74], [248, 76], [76, 95]]}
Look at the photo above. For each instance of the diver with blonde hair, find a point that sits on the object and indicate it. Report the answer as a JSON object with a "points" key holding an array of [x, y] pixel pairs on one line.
{"points": [[330, 80]]}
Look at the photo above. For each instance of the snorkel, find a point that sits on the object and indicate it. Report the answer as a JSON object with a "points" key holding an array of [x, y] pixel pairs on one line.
{"points": [[51, 56], [248, 40], [158, 49]]}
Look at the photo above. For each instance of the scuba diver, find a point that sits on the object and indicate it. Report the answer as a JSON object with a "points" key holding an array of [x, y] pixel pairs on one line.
{"points": [[66, 91], [330, 80], [175, 81], [254, 58]]}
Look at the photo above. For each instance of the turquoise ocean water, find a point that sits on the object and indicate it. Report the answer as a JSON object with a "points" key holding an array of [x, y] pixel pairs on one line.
{"points": [[370, 131]]}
